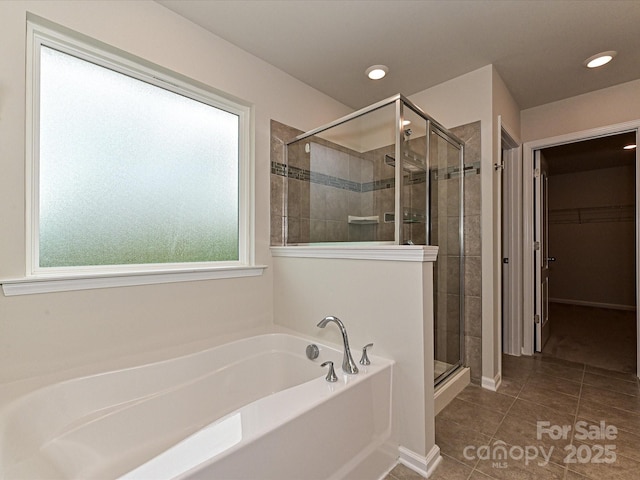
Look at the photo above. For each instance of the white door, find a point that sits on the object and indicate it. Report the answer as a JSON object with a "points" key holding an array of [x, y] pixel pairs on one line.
{"points": [[511, 226], [505, 195], [541, 250]]}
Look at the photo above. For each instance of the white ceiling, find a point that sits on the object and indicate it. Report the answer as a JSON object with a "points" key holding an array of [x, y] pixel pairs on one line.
{"points": [[537, 46]]}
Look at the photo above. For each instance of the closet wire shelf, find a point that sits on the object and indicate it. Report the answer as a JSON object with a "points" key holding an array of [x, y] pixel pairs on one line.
{"points": [[613, 213]]}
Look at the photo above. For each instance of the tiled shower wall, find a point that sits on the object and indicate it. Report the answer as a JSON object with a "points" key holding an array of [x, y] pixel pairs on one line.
{"points": [[315, 188], [318, 185], [446, 180], [470, 134], [315, 200], [326, 185], [280, 135]]}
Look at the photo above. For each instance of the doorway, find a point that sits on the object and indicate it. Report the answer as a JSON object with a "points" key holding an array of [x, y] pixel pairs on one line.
{"points": [[590, 258], [592, 249]]}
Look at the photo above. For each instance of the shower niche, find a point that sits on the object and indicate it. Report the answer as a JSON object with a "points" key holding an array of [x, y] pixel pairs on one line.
{"points": [[386, 174]]}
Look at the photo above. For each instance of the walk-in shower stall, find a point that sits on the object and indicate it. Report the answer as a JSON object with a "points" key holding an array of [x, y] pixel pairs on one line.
{"points": [[388, 173]]}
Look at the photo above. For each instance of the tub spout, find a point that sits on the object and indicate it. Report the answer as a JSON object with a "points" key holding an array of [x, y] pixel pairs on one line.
{"points": [[348, 365]]}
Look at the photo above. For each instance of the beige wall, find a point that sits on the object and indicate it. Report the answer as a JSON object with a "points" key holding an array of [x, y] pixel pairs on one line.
{"points": [[396, 314], [49, 332], [608, 106], [595, 258], [505, 106]]}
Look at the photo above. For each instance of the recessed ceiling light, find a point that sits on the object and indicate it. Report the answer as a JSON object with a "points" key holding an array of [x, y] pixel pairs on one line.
{"points": [[600, 59], [629, 147], [376, 72]]}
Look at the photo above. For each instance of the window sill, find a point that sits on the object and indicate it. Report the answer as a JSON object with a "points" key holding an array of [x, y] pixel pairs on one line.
{"points": [[398, 253], [29, 286]]}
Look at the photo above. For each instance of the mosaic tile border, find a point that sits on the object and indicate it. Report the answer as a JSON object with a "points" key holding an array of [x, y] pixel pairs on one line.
{"points": [[304, 175]]}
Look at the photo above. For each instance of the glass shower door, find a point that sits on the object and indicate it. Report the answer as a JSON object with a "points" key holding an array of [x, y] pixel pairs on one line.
{"points": [[446, 178], [413, 148]]}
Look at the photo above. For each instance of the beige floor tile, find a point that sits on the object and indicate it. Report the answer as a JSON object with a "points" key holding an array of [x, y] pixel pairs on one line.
{"points": [[549, 398], [610, 398], [556, 384], [522, 361], [453, 438], [521, 470], [559, 370], [516, 369], [450, 469], [630, 377], [596, 412], [537, 389], [510, 386], [400, 472], [549, 359], [622, 468], [515, 374], [574, 476], [485, 398], [611, 383], [514, 432], [532, 413], [625, 443], [473, 417], [477, 475]]}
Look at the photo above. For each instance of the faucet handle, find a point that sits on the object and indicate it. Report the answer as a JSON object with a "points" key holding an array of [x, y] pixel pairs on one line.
{"points": [[364, 360], [331, 374]]}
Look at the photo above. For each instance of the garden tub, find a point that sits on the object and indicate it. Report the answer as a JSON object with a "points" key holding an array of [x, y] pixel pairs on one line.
{"points": [[256, 408]]}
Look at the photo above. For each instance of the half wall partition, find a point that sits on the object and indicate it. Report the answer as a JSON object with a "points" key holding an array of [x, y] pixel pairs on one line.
{"points": [[386, 174]]}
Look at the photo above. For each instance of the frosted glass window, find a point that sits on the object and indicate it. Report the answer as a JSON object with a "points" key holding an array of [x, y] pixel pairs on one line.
{"points": [[131, 173]]}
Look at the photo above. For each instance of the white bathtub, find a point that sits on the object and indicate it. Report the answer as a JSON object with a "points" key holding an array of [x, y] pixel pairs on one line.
{"points": [[256, 408]]}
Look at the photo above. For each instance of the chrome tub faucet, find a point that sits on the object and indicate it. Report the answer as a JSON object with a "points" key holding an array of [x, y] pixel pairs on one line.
{"points": [[348, 365]]}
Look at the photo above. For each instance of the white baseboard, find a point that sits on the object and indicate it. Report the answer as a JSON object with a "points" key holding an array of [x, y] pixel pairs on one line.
{"points": [[492, 383], [584, 303], [421, 465]]}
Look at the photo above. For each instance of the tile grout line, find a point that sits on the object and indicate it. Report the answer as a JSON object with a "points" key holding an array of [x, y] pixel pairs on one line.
{"points": [[582, 384], [564, 467], [526, 381], [575, 416], [504, 416]]}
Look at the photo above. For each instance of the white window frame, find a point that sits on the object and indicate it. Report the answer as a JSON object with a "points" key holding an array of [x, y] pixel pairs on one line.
{"points": [[37, 279]]}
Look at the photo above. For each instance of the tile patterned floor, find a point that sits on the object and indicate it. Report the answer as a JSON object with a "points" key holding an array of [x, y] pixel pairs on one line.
{"points": [[565, 394]]}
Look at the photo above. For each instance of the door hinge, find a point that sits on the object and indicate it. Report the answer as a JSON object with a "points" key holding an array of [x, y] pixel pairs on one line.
{"points": [[536, 318], [536, 173], [536, 245]]}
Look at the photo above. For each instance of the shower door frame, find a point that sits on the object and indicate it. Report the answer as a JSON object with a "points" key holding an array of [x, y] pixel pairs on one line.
{"points": [[457, 143], [400, 102]]}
